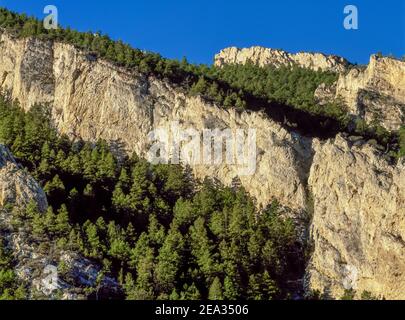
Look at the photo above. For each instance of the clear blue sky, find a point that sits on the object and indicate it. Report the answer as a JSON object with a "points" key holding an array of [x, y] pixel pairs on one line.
{"points": [[199, 29]]}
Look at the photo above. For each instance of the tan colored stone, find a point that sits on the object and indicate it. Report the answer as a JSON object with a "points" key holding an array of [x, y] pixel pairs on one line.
{"points": [[277, 58], [95, 99], [358, 227], [358, 224], [16, 186]]}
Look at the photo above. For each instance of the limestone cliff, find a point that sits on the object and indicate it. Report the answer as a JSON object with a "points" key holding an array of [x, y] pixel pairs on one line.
{"points": [[358, 226], [358, 219], [375, 93], [95, 99], [277, 58]]}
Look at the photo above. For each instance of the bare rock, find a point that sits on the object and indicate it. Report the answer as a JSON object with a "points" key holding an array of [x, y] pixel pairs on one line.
{"points": [[277, 58], [37, 260], [375, 93], [358, 224], [98, 100], [358, 227], [16, 186]]}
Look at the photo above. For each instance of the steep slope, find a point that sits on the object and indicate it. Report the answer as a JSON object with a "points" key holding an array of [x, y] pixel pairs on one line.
{"points": [[94, 99], [374, 93], [35, 260], [16, 186], [358, 226]]}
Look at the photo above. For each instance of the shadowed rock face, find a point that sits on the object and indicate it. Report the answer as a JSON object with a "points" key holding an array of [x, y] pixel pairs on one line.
{"points": [[358, 218]]}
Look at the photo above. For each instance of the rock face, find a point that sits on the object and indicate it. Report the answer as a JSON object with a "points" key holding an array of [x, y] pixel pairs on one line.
{"points": [[16, 186], [277, 58], [376, 93], [358, 223], [95, 99], [37, 260]]}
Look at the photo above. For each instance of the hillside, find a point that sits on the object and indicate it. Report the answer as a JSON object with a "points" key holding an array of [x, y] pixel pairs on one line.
{"points": [[323, 211]]}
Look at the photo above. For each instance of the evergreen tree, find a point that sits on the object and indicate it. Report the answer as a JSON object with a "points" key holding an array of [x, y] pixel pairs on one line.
{"points": [[169, 261], [215, 292], [62, 225]]}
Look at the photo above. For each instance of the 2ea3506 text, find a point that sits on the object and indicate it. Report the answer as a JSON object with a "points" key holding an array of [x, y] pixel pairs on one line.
{"points": [[203, 310]]}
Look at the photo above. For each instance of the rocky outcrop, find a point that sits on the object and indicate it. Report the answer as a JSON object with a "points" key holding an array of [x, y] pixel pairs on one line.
{"points": [[358, 226], [37, 260], [375, 93], [16, 186], [277, 58], [358, 222], [51, 273]]}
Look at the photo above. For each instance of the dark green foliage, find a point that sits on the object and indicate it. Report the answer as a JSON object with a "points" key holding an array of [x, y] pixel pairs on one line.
{"points": [[368, 296], [349, 294], [290, 85], [402, 142], [151, 226], [10, 288], [160, 233]]}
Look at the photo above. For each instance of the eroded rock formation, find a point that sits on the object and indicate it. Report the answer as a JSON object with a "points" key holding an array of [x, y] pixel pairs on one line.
{"points": [[16, 186], [95, 99], [375, 93], [358, 218], [358, 225], [277, 58]]}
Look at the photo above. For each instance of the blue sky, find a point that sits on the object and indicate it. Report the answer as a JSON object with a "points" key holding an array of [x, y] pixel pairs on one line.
{"points": [[199, 29]]}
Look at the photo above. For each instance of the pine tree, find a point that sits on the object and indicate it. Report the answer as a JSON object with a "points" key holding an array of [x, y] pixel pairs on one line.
{"points": [[199, 87], [190, 292], [62, 225], [202, 248], [156, 231], [230, 290], [131, 234], [93, 240], [119, 250], [215, 291], [254, 290], [144, 280], [169, 261], [129, 287], [38, 225], [55, 189]]}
